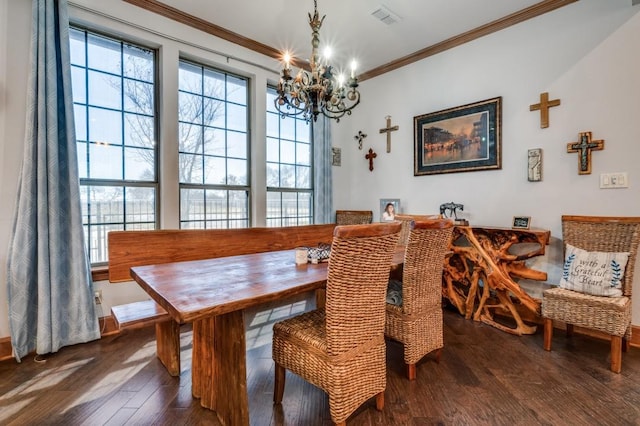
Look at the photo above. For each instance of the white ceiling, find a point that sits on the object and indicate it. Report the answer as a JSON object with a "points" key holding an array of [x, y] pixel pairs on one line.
{"points": [[349, 27]]}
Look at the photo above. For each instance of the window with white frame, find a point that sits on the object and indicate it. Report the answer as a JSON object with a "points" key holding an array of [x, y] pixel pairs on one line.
{"points": [[289, 168], [213, 148], [114, 97]]}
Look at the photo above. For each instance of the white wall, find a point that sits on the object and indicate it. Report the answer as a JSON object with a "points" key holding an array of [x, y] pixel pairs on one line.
{"points": [[586, 54]]}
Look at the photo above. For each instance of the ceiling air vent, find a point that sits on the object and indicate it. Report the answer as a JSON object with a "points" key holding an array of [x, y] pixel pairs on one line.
{"points": [[382, 13]]}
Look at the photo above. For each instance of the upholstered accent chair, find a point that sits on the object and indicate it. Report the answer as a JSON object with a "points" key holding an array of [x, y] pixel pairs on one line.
{"points": [[353, 217], [602, 237], [417, 323], [341, 348]]}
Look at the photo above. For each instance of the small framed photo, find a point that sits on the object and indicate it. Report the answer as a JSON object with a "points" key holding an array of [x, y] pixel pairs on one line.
{"points": [[521, 222], [389, 207]]}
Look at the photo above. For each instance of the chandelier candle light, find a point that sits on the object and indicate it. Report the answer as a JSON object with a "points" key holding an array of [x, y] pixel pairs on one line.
{"points": [[318, 90]]}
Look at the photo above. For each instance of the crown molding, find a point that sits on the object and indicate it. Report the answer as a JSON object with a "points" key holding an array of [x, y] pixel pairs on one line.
{"points": [[537, 9]]}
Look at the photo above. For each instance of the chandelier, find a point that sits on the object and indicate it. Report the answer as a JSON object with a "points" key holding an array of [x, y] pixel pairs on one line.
{"points": [[318, 90]]}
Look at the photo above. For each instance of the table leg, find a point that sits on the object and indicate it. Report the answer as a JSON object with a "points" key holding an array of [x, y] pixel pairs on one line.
{"points": [[168, 345], [219, 367]]}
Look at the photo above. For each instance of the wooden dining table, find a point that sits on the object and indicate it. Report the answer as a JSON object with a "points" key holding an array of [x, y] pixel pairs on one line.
{"points": [[212, 295]]}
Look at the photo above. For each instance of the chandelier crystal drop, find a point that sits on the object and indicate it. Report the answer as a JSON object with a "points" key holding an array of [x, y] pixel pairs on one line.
{"points": [[318, 91]]}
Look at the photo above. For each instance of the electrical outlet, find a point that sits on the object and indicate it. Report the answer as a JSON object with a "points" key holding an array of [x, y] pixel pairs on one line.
{"points": [[97, 296]]}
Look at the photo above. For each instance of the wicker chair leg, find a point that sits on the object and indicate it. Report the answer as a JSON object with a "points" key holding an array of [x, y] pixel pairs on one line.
{"points": [[548, 333], [569, 330], [278, 385], [344, 423], [616, 354], [626, 344], [411, 371], [380, 401]]}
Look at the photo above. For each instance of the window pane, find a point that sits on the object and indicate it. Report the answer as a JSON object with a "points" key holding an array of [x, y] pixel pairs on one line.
{"points": [[104, 54], [138, 97], [287, 152], [273, 175], [138, 63], [139, 130], [214, 143], [97, 81], [211, 154], [105, 161], [190, 108], [273, 125], [271, 99], [303, 177], [214, 112], [214, 84], [78, 87], [105, 126], [237, 144], [138, 164], [237, 172], [215, 170], [273, 150], [303, 154], [303, 131], [105, 90], [287, 176], [80, 117], [76, 47], [190, 78], [236, 117], [191, 205], [191, 169], [190, 138], [237, 90], [288, 129], [289, 158]]}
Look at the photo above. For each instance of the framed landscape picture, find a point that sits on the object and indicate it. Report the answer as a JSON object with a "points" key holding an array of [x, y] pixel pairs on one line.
{"points": [[460, 139]]}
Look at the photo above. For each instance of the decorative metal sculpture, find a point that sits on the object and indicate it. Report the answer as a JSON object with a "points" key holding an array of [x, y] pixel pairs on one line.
{"points": [[360, 137], [452, 208]]}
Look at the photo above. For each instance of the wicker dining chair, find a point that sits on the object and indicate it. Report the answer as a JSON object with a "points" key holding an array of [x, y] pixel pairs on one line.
{"points": [[609, 315], [407, 220], [417, 322], [341, 348], [353, 217]]}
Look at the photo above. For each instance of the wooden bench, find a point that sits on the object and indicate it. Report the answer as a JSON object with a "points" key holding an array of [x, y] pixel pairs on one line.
{"points": [[136, 248]]}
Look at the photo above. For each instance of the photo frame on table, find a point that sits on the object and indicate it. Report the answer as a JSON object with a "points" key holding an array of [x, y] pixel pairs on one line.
{"points": [[521, 222], [383, 206], [461, 139]]}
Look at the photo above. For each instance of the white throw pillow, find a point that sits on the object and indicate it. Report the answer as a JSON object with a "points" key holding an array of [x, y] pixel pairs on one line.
{"points": [[593, 272]]}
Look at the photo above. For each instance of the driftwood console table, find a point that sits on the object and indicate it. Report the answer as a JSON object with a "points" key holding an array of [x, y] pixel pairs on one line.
{"points": [[480, 273]]}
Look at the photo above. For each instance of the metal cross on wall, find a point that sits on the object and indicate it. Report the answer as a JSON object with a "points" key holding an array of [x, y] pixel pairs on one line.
{"points": [[388, 131], [370, 156], [584, 148], [544, 106]]}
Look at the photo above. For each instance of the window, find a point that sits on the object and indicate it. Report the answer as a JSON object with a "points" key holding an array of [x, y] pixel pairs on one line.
{"points": [[213, 148], [115, 118], [289, 172]]}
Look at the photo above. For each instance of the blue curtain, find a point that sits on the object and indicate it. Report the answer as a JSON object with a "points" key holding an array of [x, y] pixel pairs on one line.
{"points": [[322, 173], [48, 275]]}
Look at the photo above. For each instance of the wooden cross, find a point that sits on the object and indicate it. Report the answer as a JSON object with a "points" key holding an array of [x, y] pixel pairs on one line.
{"points": [[370, 156], [584, 147], [388, 131], [544, 106]]}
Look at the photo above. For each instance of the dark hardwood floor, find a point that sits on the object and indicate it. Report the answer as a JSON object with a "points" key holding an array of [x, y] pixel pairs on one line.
{"points": [[485, 377]]}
